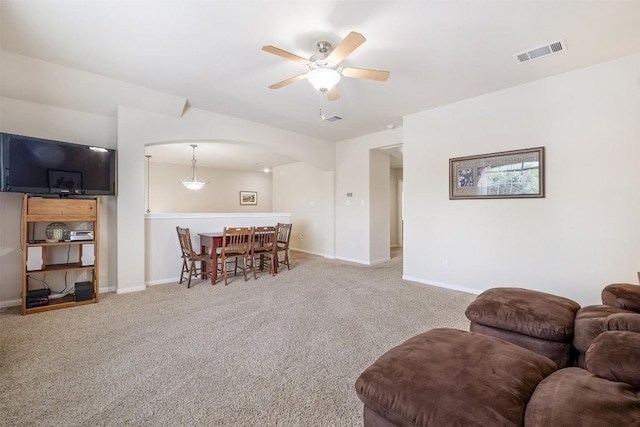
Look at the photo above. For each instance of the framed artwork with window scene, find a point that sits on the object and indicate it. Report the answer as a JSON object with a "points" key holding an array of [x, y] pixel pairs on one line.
{"points": [[503, 175]]}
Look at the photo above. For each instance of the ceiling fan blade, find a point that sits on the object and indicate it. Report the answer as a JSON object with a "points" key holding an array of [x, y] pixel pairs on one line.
{"points": [[284, 54], [288, 81], [363, 73], [346, 46], [333, 94]]}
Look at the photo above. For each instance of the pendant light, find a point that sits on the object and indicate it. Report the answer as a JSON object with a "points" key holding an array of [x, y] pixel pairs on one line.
{"points": [[192, 182]]}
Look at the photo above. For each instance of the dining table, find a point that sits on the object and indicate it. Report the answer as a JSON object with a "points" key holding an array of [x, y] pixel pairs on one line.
{"points": [[209, 243]]}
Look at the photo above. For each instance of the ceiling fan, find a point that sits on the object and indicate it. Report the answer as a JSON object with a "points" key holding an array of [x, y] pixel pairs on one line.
{"points": [[324, 67]]}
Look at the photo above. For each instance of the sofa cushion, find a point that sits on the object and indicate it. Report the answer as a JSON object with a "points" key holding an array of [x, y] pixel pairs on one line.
{"points": [[528, 312], [452, 377], [576, 397], [623, 322], [560, 352], [615, 356], [591, 322], [623, 295]]}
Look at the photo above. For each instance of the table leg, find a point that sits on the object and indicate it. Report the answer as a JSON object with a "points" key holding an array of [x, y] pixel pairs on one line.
{"points": [[214, 263], [216, 242]]}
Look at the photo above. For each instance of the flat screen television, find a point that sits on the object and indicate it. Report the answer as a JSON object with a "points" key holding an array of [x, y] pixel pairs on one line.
{"points": [[42, 166]]}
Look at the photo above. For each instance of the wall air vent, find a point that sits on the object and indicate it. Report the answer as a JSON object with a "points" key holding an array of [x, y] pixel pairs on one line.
{"points": [[539, 52]]}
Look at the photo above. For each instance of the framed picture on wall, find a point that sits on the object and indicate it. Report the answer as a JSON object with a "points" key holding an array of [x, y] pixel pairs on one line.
{"points": [[503, 175], [248, 197]]}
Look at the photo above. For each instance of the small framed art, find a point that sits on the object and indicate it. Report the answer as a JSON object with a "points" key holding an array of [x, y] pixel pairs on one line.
{"points": [[248, 197]]}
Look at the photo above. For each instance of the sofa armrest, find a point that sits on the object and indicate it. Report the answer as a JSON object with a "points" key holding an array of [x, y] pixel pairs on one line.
{"points": [[613, 355], [623, 295]]}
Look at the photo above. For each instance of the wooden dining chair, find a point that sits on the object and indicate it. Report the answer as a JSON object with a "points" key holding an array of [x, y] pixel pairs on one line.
{"points": [[236, 243], [282, 244], [191, 258], [263, 247]]}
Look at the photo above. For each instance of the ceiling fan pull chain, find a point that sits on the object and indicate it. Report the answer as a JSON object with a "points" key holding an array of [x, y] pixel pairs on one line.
{"points": [[321, 99]]}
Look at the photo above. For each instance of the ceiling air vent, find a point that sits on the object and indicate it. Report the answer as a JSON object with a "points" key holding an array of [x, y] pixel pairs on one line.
{"points": [[548, 49], [333, 119]]}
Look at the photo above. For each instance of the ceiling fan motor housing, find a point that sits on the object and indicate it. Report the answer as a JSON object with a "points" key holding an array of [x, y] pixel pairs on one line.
{"points": [[324, 49], [324, 46]]}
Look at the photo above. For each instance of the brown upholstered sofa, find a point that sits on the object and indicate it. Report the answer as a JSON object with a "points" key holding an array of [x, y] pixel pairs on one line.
{"points": [[448, 377], [619, 311]]}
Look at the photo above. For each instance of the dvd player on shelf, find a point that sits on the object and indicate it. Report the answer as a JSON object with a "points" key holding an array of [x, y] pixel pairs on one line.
{"points": [[80, 235]]}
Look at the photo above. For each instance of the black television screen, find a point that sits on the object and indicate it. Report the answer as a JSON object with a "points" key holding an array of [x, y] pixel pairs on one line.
{"points": [[42, 166]]}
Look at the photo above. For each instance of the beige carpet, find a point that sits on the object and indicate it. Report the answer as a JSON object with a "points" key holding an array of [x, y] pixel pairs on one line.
{"points": [[277, 351]]}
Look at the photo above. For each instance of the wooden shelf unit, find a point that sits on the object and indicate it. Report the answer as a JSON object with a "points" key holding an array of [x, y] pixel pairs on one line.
{"points": [[41, 210]]}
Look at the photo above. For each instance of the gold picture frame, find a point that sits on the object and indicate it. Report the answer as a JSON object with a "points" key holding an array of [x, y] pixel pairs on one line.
{"points": [[248, 197]]}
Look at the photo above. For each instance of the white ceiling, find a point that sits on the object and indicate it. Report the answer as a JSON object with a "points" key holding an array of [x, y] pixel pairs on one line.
{"points": [[209, 52]]}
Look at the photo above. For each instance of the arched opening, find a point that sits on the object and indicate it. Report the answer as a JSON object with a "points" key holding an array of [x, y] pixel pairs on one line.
{"points": [[229, 167]]}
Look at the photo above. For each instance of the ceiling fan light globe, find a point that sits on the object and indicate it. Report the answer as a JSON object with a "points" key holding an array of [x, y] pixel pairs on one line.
{"points": [[323, 79]]}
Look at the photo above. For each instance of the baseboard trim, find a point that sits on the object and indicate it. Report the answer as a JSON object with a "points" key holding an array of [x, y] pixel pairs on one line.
{"points": [[10, 303], [359, 261], [162, 281], [356, 261], [306, 251], [129, 290], [379, 261], [443, 285]]}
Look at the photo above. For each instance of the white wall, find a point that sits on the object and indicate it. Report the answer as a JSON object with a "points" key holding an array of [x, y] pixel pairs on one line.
{"points": [[222, 194], [395, 177], [584, 235], [380, 213], [352, 214], [43, 121], [299, 188], [46, 83]]}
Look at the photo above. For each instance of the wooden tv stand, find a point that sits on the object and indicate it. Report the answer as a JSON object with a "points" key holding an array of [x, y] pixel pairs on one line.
{"points": [[36, 262]]}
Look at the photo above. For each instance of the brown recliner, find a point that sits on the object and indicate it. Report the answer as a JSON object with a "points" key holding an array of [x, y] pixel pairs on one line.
{"points": [[605, 393], [619, 311]]}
